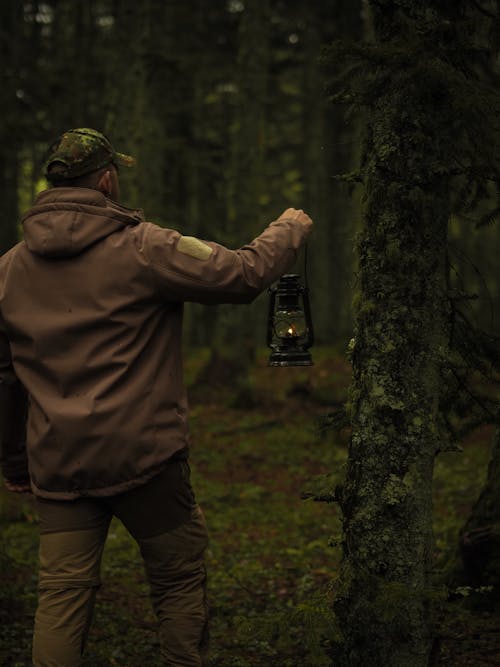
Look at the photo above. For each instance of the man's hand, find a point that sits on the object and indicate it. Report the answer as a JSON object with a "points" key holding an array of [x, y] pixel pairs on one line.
{"points": [[297, 214], [21, 486]]}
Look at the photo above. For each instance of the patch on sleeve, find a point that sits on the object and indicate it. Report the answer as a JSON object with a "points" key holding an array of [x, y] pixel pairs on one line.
{"points": [[189, 245]]}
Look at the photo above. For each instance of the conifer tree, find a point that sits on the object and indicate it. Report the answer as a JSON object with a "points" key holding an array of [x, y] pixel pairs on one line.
{"points": [[431, 143], [10, 131]]}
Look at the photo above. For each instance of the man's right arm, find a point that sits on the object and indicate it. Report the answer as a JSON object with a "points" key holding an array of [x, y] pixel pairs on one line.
{"points": [[188, 269]]}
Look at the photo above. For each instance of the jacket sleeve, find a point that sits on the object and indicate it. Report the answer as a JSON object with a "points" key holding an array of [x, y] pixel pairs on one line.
{"points": [[13, 410], [187, 269]]}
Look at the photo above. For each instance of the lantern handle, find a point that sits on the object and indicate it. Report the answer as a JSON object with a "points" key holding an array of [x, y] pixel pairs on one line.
{"points": [[272, 291]]}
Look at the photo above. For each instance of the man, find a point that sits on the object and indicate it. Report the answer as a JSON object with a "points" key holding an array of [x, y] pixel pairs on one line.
{"points": [[90, 345]]}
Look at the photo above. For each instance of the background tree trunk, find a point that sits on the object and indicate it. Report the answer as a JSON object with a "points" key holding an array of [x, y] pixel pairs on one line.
{"points": [[234, 332], [328, 152], [480, 536], [10, 132]]}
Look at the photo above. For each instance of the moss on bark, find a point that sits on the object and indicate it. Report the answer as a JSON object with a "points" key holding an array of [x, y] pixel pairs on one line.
{"points": [[384, 597]]}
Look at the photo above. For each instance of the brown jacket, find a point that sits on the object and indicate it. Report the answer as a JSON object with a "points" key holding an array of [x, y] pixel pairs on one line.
{"points": [[90, 323]]}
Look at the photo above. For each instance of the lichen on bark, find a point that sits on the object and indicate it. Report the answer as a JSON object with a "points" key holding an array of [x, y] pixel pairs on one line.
{"points": [[383, 598], [426, 82]]}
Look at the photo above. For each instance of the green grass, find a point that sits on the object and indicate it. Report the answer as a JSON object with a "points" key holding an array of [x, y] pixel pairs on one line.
{"points": [[270, 560]]}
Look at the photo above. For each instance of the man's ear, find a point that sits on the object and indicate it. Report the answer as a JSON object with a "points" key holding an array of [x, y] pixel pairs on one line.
{"points": [[104, 184]]}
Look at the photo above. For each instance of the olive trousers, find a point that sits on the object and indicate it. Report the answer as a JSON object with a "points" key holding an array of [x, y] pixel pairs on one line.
{"points": [[163, 518]]}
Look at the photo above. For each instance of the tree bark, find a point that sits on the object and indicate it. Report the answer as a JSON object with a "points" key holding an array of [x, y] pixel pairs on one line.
{"points": [[234, 333], [383, 599], [10, 139]]}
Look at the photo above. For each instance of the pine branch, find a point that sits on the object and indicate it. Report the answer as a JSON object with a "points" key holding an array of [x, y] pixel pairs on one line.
{"points": [[485, 11]]}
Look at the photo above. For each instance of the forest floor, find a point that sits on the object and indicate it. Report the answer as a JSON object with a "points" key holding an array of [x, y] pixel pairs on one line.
{"points": [[273, 557]]}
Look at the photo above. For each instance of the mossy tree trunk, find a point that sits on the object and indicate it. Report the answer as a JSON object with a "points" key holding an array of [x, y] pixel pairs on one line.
{"points": [[400, 327], [382, 605]]}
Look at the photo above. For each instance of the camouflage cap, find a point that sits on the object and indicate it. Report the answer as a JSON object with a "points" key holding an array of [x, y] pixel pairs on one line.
{"points": [[81, 151]]}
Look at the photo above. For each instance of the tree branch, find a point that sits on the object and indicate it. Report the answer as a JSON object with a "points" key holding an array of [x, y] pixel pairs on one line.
{"points": [[483, 10]]}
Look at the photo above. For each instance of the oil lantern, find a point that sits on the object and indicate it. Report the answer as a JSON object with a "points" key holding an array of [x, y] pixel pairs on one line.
{"points": [[289, 323]]}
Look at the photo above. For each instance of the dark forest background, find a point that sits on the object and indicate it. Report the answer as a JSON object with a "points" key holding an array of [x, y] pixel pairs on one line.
{"points": [[380, 119], [224, 105]]}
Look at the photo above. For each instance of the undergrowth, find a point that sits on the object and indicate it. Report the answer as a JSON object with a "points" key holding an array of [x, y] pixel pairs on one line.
{"points": [[273, 557]]}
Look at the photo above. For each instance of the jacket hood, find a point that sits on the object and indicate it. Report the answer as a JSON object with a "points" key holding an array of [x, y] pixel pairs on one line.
{"points": [[63, 222]]}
